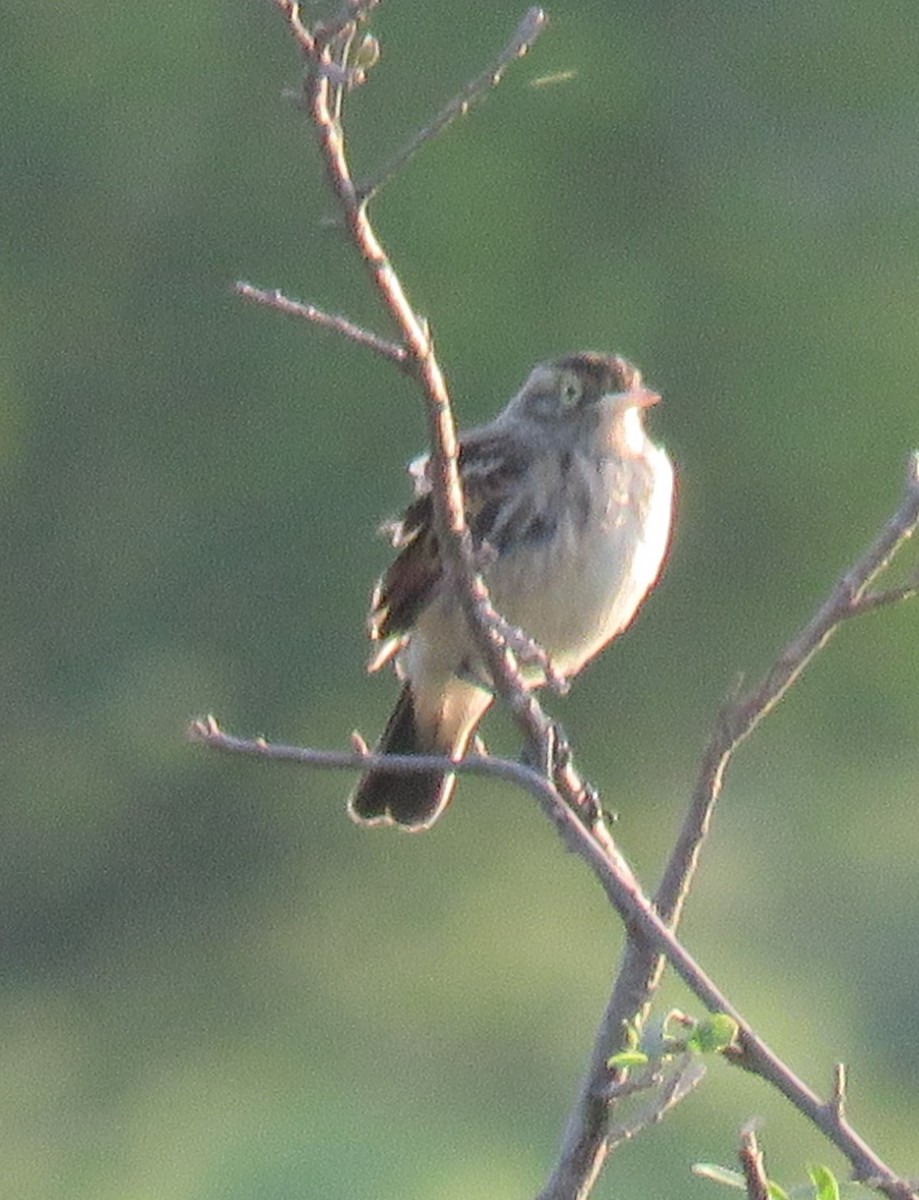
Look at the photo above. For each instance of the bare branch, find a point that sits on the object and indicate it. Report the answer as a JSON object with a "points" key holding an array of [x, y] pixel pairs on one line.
{"points": [[291, 12], [742, 714], [644, 923], [206, 731], [531, 26], [754, 1168], [316, 316], [588, 1145], [883, 599]]}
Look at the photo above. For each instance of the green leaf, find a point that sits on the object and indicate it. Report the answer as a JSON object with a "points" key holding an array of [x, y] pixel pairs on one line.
{"points": [[718, 1174], [713, 1035], [734, 1179], [824, 1181], [628, 1058], [367, 54]]}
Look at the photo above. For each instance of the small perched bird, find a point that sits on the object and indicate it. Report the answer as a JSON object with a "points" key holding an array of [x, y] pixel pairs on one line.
{"points": [[570, 505]]}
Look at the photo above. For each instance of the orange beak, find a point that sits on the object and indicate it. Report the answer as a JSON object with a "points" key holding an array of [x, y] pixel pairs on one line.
{"points": [[640, 397]]}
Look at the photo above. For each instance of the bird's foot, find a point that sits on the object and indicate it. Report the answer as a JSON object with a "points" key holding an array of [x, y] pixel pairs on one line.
{"points": [[563, 772]]}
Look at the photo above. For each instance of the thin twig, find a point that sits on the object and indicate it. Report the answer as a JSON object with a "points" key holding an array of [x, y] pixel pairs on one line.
{"points": [[290, 9], [679, 1084], [308, 312], [634, 1084], [743, 713], [321, 98], [883, 599], [207, 732], [640, 917], [531, 26], [346, 39], [753, 1166]]}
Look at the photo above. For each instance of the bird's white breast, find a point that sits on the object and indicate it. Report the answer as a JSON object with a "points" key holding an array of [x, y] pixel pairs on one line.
{"points": [[586, 584]]}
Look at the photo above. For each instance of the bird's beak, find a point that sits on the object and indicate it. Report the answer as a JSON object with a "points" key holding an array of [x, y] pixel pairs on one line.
{"points": [[639, 397], [645, 398]]}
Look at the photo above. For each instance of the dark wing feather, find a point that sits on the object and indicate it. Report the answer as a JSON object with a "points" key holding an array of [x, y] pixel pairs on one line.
{"points": [[490, 464], [408, 581]]}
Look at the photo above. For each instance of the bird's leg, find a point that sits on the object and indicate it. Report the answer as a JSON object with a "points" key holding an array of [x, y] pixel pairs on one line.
{"points": [[551, 754], [564, 773]]}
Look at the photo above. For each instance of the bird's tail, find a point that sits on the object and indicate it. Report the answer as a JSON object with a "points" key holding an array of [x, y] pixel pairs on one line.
{"points": [[412, 800]]}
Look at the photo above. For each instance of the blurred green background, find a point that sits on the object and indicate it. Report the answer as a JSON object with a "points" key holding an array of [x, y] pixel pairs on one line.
{"points": [[214, 986]]}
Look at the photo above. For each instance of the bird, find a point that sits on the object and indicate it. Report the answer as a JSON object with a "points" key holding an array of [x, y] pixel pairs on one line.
{"points": [[570, 508]]}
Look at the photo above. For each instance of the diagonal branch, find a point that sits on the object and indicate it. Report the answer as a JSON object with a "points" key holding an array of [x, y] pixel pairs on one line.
{"points": [[531, 26], [651, 933], [740, 716], [308, 312]]}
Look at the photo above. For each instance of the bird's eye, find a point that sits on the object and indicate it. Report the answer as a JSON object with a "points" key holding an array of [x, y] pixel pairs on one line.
{"points": [[571, 390]]}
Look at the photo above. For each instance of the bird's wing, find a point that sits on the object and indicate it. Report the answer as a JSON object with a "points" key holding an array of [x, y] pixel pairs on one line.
{"points": [[490, 464]]}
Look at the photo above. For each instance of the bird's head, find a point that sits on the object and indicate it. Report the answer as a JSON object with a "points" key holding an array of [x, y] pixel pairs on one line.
{"points": [[585, 398]]}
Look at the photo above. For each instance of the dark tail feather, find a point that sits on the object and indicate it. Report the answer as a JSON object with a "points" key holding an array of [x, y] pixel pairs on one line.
{"points": [[414, 800]]}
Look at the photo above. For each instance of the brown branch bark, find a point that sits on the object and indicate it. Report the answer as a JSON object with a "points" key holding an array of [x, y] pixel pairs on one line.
{"points": [[309, 312], [754, 1167], [207, 732]]}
